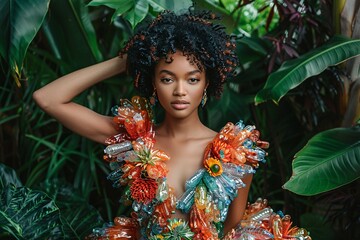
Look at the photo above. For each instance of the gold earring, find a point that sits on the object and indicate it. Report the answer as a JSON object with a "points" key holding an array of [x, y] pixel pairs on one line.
{"points": [[153, 98], [204, 99]]}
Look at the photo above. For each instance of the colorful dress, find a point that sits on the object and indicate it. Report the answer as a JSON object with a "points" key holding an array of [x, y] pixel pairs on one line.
{"points": [[141, 170]]}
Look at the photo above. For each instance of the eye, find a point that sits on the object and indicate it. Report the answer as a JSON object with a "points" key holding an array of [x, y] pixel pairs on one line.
{"points": [[166, 80], [194, 80]]}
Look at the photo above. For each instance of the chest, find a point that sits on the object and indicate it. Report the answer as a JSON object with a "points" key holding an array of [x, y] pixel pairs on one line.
{"points": [[185, 159]]}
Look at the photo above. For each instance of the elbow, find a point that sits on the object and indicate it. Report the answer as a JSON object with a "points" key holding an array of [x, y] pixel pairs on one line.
{"points": [[41, 100]]}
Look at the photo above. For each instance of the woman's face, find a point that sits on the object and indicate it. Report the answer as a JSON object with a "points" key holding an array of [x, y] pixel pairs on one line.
{"points": [[179, 86]]}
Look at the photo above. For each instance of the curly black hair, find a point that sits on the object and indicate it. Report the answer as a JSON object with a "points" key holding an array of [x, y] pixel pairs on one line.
{"points": [[202, 41]]}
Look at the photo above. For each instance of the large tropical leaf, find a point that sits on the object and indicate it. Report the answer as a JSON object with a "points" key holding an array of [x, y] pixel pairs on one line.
{"points": [[71, 35], [160, 5], [19, 22], [257, 45], [28, 214], [77, 216], [135, 11], [227, 19], [292, 73], [330, 160], [232, 107], [8, 177]]}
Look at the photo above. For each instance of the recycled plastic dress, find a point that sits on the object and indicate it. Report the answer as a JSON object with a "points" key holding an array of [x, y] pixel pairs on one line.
{"points": [[141, 170]]}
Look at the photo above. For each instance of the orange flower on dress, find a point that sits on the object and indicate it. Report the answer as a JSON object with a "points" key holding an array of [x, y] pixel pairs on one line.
{"points": [[222, 150], [213, 166], [151, 160], [158, 170], [227, 152], [143, 190]]}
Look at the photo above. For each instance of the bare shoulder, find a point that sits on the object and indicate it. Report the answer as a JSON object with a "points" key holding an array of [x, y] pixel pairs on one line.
{"points": [[208, 133]]}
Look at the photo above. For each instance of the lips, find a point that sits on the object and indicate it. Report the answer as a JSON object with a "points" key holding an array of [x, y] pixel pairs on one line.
{"points": [[180, 104]]}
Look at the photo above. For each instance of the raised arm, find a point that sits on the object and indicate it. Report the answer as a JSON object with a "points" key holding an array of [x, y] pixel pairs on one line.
{"points": [[56, 99]]}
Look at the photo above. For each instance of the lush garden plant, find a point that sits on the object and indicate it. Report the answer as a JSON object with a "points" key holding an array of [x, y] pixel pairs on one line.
{"points": [[292, 83]]}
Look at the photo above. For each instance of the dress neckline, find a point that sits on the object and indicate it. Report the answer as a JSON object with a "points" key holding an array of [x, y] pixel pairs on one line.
{"points": [[201, 169]]}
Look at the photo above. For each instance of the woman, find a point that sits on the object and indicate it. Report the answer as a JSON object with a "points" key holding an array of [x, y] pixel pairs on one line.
{"points": [[182, 179]]}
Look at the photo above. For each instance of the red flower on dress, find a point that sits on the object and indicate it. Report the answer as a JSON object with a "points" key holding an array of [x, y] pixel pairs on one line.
{"points": [[143, 190]]}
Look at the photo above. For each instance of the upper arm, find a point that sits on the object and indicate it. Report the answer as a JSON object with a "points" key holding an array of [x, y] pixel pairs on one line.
{"points": [[238, 205], [80, 119], [86, 122]]}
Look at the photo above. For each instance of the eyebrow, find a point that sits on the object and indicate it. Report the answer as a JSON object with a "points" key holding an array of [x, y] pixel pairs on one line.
{"points": [[172, 74]]}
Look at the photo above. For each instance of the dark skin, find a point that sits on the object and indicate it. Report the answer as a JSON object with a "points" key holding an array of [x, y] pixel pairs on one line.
{"points": [[179, 86]]}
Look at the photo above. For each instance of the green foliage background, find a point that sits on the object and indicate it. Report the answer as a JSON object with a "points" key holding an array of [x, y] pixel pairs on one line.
{"points": [[278, 42]]}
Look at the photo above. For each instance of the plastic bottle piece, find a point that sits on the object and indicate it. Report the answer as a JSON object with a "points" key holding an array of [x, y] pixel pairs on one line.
{"points": [[248, 143], [250, 233], [223, 210], [188, 205], [114, 165], [239, 183], [260, 153], [115, 175], [156, 229], [186, 200], [136, 206], [162, 192], [99, 232], [249, 128], [210, 183], [147, 208], [221, 189], [128, 156], [114, 110], [215, 212], [228, 184], [233, 170], [252, 154], [115, 149], [262, 144], [201, 196], [262, 214], [194, 181], [240, 124]]}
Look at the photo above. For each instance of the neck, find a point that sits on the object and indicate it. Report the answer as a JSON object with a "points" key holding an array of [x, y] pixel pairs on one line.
{"points": [[181, 128]]}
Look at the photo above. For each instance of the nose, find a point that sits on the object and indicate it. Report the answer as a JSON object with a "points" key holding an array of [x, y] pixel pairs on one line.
{"points": [[179, 89]]}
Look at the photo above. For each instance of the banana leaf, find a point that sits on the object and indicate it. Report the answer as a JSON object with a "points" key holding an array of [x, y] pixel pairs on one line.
{"points": [[19, 22], [71, 35], [330, 160], [28, 214], [135, 11], [292, 73], [160, 5]]}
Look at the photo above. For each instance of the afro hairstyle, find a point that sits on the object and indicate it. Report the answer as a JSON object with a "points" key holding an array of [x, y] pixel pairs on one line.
{"points": [[195, 34]]}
